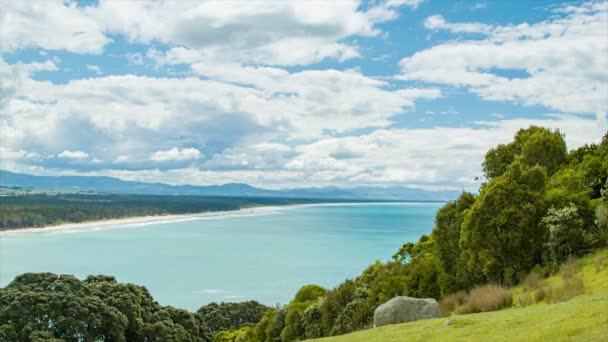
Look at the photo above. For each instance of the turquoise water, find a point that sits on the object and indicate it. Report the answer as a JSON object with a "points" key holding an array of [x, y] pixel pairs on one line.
{"points": [[265, 256]]}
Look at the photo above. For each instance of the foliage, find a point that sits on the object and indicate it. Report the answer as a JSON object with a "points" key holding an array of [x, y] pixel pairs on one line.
{"points": [[501, 235], [231, 316], [448, 225], [533, 146], [294, 324], [565, 234], [45, 306]]}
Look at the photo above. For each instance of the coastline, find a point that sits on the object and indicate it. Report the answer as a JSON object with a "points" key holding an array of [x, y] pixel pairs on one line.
{"points": [[152, 219]]}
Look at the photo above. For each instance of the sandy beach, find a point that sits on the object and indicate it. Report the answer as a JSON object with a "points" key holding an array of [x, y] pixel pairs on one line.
{"points": [[136, 220], [144, 220]]}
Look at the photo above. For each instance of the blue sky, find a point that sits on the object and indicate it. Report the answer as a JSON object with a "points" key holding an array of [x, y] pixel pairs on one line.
{"points": [[293, 94]]}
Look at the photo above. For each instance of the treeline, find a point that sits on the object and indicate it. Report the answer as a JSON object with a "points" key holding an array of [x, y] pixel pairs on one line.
{"points": [[49, 307], [538, 205], [43, 209]]}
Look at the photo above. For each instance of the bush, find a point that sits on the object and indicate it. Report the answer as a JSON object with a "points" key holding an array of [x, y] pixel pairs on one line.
{"points": [[566, 233], [311, 320], [486, 298], [448, 304]]}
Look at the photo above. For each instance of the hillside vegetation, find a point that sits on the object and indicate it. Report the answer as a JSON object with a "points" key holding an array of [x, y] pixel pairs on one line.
{"points": [[582, 318]]}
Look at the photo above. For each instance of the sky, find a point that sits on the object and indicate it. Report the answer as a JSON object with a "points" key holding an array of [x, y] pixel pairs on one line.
{"points": [[281, 94]]}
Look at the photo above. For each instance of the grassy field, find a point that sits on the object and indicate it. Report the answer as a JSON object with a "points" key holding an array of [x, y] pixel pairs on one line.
{"points": [[582, 318]]}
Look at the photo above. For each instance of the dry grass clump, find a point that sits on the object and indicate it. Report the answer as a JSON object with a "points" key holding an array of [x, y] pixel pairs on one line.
{"points": [[540, 294], [568, 268], [448, 304], [532, 281], [486, 298]]}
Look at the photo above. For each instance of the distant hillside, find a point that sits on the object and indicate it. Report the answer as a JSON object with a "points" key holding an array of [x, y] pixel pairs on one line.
{"points": [[115, 185]]}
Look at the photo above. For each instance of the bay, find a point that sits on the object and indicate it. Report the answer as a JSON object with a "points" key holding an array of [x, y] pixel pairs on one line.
{"points": [[265, 256]]}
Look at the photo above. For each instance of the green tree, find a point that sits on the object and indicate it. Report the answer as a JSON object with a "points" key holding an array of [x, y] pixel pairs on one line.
{"points": [[533, 146], [501, 235], [565, 233], [305, 297], [454, 275], [45, 306], [231, 316]]}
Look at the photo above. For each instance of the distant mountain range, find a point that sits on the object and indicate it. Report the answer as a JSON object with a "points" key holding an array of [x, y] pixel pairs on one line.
{"points": [[115, 185]]}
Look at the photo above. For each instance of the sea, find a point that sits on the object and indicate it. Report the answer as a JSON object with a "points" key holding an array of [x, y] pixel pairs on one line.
{"points": [[261, 255]]}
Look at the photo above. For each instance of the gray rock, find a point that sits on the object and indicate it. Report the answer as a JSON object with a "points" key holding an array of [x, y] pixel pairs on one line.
{"points": [[405, 309]]}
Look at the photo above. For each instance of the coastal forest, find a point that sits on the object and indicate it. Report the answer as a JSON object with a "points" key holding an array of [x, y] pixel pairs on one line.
{"points": [[539, 206], [40, 210]]}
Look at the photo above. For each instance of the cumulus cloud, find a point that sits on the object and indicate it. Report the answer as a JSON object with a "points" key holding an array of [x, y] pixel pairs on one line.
{"points": [[423, 158], [565, 60], [269, 32], [51, 25], [176, 154], [94, 68], [67, 154]]}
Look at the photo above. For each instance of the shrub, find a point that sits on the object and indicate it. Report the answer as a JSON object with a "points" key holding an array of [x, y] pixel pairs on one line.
{"points": [[357, 314], [566, 233], [311, 320], [486, 298], [448, 304]]}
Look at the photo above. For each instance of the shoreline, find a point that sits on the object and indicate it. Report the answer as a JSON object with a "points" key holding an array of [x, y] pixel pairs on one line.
{"points": [[152, 219]]}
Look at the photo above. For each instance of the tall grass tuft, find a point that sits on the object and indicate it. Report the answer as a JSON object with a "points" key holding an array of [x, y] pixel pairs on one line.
{"points": [[568, 268], [532, 281], [448, 304], [486, 298]]}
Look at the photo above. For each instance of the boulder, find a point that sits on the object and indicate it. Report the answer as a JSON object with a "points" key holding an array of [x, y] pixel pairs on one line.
{"points": [[405, 309]]}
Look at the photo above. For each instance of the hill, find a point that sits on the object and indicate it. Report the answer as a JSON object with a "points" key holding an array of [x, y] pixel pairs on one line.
{"points": [[115, 185], [582, 318]]}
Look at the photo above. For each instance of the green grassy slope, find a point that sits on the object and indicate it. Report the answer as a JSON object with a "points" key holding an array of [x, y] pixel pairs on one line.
{"points": [[583, 318]]}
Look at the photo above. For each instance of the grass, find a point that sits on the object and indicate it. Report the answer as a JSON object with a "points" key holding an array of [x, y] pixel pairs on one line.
{"points": [[582, 318], [485, 298]]}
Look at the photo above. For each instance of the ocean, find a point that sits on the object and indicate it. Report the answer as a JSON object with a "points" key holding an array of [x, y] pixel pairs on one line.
{"points": [[265, 256]]}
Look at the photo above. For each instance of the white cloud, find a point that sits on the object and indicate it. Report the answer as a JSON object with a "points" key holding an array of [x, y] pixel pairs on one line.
{"points": [[423, 158], [565, 60], [51, 25], [136, 116], [94, 68], [267, 32], [437, 22], [67, 154], [121, 159], [176, 154]]}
